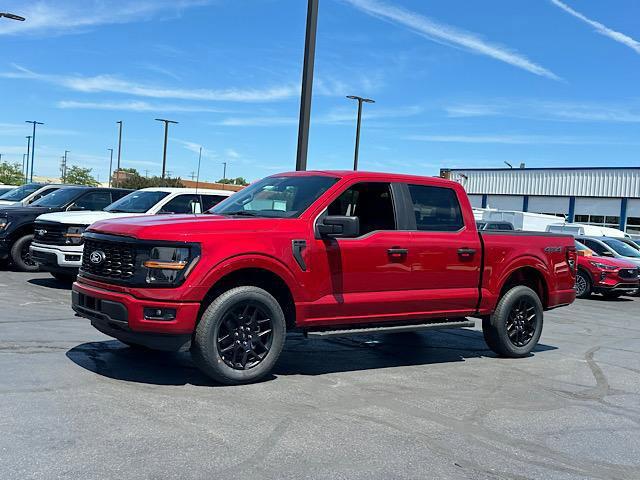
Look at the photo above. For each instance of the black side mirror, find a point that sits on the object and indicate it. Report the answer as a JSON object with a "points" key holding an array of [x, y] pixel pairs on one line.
{"points": [[338, 226], [607, 253], [75, 208]]}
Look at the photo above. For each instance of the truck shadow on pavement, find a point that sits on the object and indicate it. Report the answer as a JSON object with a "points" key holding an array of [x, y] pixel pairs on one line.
{"points": [[50, 283], [300, 356]]}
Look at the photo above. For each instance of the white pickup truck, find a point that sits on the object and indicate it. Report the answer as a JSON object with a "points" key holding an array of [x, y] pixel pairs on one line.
{"points": [[57, 243]]}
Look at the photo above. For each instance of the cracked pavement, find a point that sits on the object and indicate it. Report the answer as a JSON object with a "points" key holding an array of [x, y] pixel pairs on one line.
{"points": [[77, 404]]}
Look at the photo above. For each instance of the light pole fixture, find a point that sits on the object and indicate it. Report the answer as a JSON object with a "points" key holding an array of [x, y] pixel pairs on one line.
{"points": [[12, 16], [110, 165], [33, 144], [307, 84], [26, 166], [360, 100], [166, 133], [119, 122]]}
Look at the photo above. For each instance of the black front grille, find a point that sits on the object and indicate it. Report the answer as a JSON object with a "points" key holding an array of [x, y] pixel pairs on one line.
{"points": [[629, 273], [50, 233], [109, 259]]}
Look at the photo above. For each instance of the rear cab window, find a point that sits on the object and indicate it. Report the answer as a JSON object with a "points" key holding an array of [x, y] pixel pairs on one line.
{"points": [[436, 209]]}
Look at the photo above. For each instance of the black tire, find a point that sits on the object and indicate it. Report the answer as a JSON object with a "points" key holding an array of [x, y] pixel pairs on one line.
{"points": [[232, 316], [510, 332], [612, 295], [583, 285], [20, 256], [63, 277]]}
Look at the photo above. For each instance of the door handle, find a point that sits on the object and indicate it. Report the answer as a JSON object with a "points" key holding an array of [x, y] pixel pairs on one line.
{"points": [[466, 252], [397, 251]]}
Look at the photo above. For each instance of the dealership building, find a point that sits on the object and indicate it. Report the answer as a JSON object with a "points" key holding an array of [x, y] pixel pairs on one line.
{"points": [[606, 196]]}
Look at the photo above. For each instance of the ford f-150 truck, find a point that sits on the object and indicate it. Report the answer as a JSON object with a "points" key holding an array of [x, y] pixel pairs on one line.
{"points": [[326, 252]]}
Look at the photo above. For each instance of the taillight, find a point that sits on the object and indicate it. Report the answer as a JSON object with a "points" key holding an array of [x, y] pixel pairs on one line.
{"points": [[571, 258]]}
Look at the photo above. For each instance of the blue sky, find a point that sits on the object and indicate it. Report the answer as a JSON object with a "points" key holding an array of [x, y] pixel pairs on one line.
{"points": [[456, 83]]}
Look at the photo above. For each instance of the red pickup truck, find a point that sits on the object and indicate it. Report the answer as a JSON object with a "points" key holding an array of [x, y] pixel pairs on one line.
{"points": [[325, 252]]}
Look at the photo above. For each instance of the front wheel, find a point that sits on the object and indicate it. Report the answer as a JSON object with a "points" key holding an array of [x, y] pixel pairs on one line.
{"points": [[583, 285], [21, 256], [240, 336], [516, 325]]}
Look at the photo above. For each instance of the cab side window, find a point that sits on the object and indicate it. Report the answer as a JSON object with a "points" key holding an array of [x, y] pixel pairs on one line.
{"points": [[595, 246], [210, 201], [42, 194], [436, 209], [371, 202], [182, 204], [92, 201]]}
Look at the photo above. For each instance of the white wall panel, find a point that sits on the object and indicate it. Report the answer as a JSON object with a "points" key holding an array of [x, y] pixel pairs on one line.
{"points": [[598, 206], [476, 201], [549, 204], [633, 208], [504, 202]]}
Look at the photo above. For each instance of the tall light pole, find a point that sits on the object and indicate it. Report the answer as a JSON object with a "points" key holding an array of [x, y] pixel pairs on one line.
{"points": [[25, 158], [119, 122], [110, 165], [26, 172], [307, 84], [33, 144], [166, 133], [360, 100]]}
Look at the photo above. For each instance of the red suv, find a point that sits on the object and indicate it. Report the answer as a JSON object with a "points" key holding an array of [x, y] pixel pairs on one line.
{"points": [[610, 277]]}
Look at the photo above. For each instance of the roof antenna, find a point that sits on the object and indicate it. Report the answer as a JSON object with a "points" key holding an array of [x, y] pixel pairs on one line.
{"points": [[198, 177]]}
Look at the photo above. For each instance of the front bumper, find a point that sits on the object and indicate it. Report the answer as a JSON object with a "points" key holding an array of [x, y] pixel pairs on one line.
{"points": [[612, 282], [121, 316], [66, 258], [5, 248]]}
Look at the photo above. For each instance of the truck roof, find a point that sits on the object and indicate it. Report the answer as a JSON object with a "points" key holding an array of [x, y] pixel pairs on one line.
{"points": [[186, 190], [399, 177]]}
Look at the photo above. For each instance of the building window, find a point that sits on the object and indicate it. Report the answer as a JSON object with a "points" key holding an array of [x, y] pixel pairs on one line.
{"points": [[633, 225], [599, 220]]}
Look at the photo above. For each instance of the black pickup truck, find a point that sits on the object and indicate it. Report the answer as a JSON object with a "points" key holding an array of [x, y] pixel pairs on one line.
{"points": [[17, 222]]}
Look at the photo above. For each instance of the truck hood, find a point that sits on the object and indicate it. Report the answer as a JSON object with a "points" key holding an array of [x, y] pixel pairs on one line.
{"points": [[181, 227], [83, 218], [4, 203], [19, 211]]}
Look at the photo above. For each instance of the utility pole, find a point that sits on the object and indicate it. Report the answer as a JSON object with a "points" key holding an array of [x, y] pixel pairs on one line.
{"points": [[119, 122], [164, 151], [307, 84], [110, 165], [64, 166], [193, 175], [33, 144], [26, 172], [360, 101], [24, 160]]}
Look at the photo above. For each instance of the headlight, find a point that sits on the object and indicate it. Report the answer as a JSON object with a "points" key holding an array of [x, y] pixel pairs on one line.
{"points": [[3, 223], [167, 265], [602, 266], [73, 236]]}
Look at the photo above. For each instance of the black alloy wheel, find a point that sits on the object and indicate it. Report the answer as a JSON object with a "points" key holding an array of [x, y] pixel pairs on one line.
{"points": [[245, 335], [522, 322]]}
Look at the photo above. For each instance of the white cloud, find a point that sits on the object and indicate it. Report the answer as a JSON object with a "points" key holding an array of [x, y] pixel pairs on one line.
{"points": [[513, 139], [548, 110], [195, 148], [114, 84], [21, 129], [71, 16], [600, 28], [135, 106], [266, 121], [449, 35]]}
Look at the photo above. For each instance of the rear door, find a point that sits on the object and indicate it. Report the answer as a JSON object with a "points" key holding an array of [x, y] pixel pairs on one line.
{"points": [[445, 252]]}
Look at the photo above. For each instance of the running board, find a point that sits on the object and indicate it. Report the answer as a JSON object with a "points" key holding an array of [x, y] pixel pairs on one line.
{"points": [[416, 327]]}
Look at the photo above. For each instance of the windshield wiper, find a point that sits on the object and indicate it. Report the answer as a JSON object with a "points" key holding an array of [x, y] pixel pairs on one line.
{"points": [[246, 213]]}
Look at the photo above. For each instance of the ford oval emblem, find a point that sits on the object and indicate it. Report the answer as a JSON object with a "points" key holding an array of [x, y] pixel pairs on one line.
{"points": [[97, 257]]}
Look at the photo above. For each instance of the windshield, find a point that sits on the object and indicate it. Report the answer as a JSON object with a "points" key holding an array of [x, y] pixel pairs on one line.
{"points": [[57, 198], [621, 248], [276, 197], [136, 202], [21, 193]]}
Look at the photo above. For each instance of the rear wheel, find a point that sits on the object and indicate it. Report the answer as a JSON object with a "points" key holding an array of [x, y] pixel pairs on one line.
{"points": [[240, 336], [516, 325], [583, 285], [21, 256]]}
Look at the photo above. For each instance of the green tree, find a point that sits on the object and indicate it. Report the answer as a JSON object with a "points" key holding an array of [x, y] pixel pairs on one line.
{"points": [[11, 173], [233, 181], [136, 181], [80, 176]]}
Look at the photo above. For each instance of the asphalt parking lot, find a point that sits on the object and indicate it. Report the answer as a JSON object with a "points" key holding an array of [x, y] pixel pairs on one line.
{"points": [[76, 404]]}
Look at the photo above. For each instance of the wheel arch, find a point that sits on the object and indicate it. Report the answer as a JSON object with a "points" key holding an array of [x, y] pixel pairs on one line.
{"points": [[527, 276], [265, 274]]}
